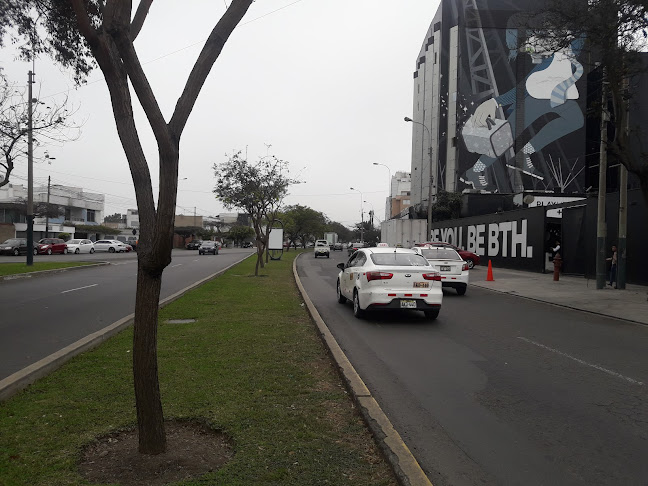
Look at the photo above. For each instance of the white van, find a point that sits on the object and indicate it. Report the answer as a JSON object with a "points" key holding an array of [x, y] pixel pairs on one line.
{"points": [[322, 248]]}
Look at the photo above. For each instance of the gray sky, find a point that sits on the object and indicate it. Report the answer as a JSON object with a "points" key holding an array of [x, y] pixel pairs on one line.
{"points": [[324, 84]]}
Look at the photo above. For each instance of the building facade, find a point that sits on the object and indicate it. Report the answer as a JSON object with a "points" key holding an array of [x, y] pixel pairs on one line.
{"points": [[494, 110]]}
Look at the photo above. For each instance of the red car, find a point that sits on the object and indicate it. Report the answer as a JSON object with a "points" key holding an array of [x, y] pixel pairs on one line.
{"points": [[52, 245], [468, 256]]}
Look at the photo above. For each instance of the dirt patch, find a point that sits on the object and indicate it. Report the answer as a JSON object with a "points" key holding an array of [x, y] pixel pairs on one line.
{"points": [[192, 450]]}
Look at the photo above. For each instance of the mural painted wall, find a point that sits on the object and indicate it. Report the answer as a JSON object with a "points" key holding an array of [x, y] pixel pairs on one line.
{"points": [[520, 105]]}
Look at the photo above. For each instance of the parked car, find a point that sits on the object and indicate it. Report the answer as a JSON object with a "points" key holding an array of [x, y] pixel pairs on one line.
{"points": [[352, 247], [322, 248], [47, 246], [389, 278], [128, 240], [447, 261], [16, 246], [337, 246], [127, 247], [469, 256], [208, 247], [193, 244], [110, 246], [80, 246]]}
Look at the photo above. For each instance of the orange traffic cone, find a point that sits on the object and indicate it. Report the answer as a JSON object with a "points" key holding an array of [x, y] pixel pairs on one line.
{"points": [[489, 275]]}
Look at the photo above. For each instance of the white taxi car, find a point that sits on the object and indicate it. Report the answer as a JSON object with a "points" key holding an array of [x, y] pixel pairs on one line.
{"points": [[452, 268], [322, 248], [389, 278]]}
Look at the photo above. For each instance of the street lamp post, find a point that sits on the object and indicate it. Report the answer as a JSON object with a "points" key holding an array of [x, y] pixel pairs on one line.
{"points": [[390, 189], [361, 215], [429, 209]]}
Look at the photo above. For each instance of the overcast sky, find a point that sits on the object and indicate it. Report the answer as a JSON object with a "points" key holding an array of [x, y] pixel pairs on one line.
{"points": [[324, 85]]}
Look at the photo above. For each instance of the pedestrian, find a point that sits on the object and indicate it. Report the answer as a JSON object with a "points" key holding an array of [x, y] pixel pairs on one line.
{"points": [[555, 250], [613, 267]]}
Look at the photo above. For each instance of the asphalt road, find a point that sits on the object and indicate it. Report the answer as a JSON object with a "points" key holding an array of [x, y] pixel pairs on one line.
{"points": [[42, 315], [501, 390]]}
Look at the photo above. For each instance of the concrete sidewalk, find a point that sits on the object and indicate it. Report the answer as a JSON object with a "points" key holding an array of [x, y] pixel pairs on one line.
{"points": [[573, 292]]}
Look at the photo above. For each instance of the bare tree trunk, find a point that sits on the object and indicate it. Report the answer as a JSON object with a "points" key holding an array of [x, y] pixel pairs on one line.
{"points": [[150, 419]]}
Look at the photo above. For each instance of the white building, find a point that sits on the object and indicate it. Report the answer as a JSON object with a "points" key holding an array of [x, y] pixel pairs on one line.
{"points": [[399, 194]]}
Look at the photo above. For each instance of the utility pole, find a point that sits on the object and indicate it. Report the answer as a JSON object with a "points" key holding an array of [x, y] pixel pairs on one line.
{"points": [[30, 175], [48, 208], [623, 206], [601, 228]]}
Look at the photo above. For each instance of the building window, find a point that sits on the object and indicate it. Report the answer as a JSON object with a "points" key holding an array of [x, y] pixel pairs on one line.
{"points": [[406, 201], [68, 214], [90, 217]]}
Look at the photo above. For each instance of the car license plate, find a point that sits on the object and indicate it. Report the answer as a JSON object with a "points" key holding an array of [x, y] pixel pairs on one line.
{"points": [[408, 304], [444, 268], [423, 285]]}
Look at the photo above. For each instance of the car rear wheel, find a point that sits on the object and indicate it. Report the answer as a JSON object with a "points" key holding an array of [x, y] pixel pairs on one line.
{"points": [[111, 249], [340, 298], [462, 290], [357, 311], [35, 251], [91, 250], [77, 251], [16, 252], [471, 265], [431, 314]]}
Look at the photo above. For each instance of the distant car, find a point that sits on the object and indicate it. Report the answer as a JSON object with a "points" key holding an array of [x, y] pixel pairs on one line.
{"points": [[127, 247], [322, 248], [337, 247], [193, 244], [352, 247], [247, 244], [208, 247], [447, 261], [80, 246], [47, 246], [389, 278], [111, 246], [16, 246], [469, 256]]}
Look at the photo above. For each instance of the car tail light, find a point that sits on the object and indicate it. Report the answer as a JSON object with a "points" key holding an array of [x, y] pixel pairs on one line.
{"points": [[432, 276], [379, 276], [465, 267]]}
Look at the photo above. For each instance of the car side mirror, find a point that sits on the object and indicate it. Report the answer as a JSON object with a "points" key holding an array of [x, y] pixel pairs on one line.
{"points": [[340, 266]]}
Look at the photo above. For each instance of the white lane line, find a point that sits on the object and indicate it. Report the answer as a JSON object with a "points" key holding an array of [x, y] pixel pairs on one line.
{"points": [[80, 288], [591, 365], [124, 263], [178, 265]]}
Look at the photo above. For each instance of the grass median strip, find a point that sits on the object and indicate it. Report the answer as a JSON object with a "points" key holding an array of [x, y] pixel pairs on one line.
{"points": [[251, 365], [19, 268]]}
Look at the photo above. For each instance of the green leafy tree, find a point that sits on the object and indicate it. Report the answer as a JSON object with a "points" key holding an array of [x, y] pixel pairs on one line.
{"points": [[82, 35], [257, 188], [238, 233], [303, 224], [115, 218], [447, 206]]}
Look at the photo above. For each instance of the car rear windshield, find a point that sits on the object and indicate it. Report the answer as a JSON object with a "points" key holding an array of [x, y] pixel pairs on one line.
{"points": [[440, 254], [399, 259], [321, 243]]}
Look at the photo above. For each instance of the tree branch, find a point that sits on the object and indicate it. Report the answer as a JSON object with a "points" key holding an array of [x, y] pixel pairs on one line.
{"points": [[210, 52], [140, 17]]}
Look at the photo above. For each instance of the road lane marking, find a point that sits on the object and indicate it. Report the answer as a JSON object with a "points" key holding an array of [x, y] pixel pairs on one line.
{"points": [[591, 365], [79, 288], [124, 263], [178, 265]]}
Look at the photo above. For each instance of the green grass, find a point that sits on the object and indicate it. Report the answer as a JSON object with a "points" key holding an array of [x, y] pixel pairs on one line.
{"points": [[252, 365], [17, 268]]}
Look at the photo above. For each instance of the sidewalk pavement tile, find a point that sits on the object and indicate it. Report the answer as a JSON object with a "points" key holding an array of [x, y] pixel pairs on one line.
{"points": [[569, 291]]}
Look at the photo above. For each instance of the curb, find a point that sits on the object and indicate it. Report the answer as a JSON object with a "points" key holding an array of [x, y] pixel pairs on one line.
{"points": [[12, 384], [407, 469], [42, 273]]}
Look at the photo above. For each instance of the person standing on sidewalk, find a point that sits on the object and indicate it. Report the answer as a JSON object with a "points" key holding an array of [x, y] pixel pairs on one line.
{"points": [[555, 250], [613, 267]]}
